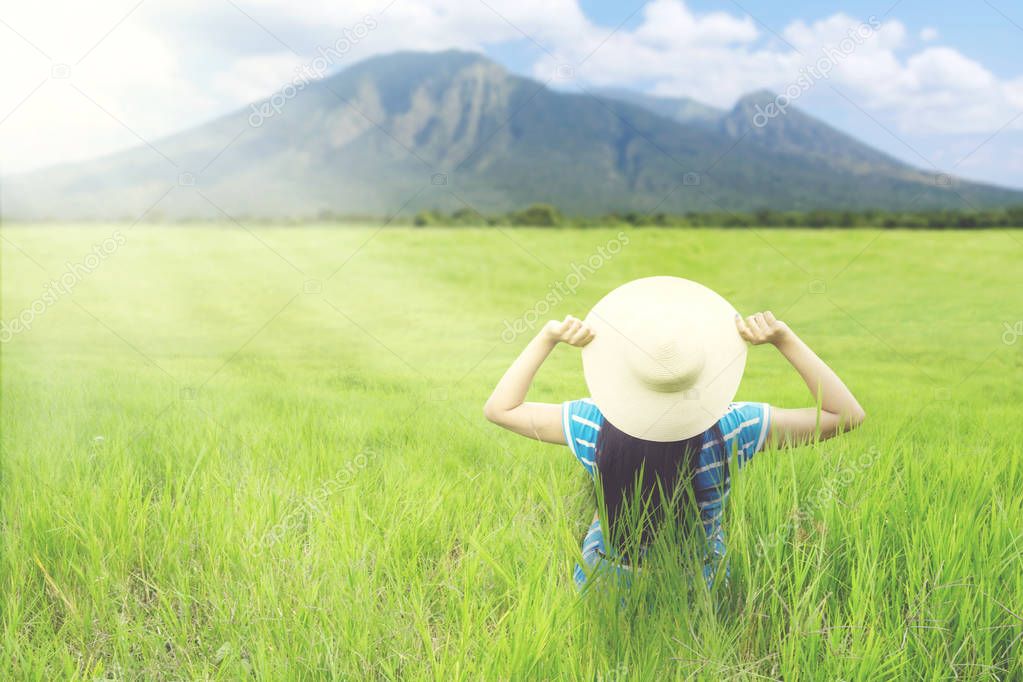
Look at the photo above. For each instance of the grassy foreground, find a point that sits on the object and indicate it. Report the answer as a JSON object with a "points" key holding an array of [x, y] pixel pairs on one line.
{"points": [[231, 454]]}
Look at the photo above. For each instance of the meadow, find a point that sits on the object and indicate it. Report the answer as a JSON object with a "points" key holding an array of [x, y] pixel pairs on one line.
{"points": [[260, 453]]}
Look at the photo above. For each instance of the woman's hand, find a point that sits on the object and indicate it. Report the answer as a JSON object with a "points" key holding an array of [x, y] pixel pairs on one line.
{"points": [[762, 328], [571, 330]]}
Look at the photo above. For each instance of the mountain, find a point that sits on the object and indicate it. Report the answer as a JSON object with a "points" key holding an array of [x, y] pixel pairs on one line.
{"points": [[454, 130], [793, 133], [796, 133]]}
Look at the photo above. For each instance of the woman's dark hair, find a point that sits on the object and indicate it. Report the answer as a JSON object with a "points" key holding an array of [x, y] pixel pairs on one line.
{"points": [[639, 479]]}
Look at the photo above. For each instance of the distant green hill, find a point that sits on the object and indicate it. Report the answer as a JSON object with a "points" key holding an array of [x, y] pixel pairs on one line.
{"points": [[454, 130]]}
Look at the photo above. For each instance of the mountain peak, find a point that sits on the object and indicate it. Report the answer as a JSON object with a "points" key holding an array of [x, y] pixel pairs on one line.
{"points": [[397, 78]]}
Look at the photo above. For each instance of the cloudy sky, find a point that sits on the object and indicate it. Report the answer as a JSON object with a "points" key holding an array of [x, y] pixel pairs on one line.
{"points": [[938, 83]]}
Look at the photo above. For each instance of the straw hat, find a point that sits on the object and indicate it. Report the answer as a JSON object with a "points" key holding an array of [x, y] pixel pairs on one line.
{"points": [[666, 358]]}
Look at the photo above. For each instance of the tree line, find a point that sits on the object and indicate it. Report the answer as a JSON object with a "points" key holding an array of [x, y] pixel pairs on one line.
{"points": [[546, 215]]}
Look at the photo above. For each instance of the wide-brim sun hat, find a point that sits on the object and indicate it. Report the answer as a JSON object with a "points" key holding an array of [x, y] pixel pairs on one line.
{"points": [[666, 358]]}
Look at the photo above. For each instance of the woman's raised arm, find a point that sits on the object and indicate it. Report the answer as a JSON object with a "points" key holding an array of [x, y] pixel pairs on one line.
{"points": [[507, 407], [839, 409]]}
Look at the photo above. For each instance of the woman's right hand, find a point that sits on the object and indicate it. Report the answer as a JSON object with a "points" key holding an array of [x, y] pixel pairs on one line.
{"points": [[571, 330], [762, 328]]}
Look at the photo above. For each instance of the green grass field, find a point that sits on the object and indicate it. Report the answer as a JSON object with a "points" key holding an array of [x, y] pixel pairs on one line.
{"points": [[232, 454]]}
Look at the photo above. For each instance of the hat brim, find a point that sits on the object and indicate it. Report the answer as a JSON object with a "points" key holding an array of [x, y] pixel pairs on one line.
{"points": [[670, 303]]}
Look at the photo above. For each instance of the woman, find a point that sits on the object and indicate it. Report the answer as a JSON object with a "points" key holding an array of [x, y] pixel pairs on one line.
{"points": [[662, 358]]}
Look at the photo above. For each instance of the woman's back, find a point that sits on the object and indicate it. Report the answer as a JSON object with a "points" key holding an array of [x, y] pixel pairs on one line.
{"points": [[741, 432]]}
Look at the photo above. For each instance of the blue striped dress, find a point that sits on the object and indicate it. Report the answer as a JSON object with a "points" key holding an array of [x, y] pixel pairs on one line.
{"points": [[744, 429]]}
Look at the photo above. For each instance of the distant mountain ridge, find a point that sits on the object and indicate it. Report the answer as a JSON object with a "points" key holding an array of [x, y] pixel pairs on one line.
{"points": [[681, 109], [451, 130]]}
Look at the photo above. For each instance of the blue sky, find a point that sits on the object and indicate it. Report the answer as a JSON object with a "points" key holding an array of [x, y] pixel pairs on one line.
{"points": [[938, 83], [975, 28]]}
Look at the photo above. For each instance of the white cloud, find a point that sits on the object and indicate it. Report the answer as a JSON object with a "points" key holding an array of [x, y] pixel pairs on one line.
{"points": [[166, 66], [934, 90], [713, 57], [667, 23], [251, 78], [941, 67], [69, 95]]}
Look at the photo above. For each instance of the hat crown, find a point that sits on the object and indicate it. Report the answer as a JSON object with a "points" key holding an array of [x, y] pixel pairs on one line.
{"points": [[666, 358], [668, 363]]}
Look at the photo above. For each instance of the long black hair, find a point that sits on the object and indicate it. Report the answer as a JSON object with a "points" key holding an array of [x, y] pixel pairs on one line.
{"points": [[639, 480]]}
